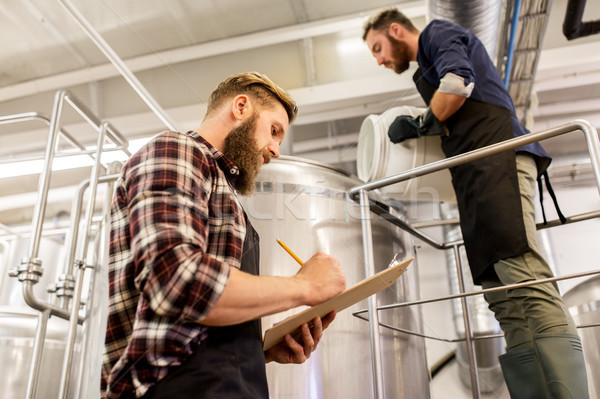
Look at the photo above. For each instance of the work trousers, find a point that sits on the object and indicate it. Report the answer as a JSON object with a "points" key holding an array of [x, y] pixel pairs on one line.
{"points": [[524, 312]]}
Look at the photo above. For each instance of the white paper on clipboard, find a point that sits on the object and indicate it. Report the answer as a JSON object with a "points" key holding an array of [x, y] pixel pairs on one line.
{"points": [[349, 297]]}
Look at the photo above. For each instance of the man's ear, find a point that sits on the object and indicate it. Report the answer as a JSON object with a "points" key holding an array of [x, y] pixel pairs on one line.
{"points": [[396, 31], [240, 106]]}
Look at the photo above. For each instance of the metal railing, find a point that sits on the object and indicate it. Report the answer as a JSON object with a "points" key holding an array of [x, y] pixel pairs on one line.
{"points": [[360, 194], [69, 286]]}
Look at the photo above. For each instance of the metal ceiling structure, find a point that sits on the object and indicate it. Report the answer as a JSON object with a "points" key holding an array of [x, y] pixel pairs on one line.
{"points": [[180, 49]]}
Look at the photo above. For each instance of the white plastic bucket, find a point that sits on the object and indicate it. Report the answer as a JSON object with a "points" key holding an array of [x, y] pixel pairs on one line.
{"points": [[378, 157]]}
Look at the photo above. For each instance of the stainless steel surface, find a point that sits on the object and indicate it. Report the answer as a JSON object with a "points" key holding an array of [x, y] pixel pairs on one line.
{"points": [[32, 343], [44, 182], [467, 323], [305, 205], [51, 249], [30, 273], [369, 262], [17, 330], [96, 299], [583, 301], [74, 318], [31, 268]]}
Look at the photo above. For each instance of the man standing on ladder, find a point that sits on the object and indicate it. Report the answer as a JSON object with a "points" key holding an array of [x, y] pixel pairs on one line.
{"points": [[470, 108]]}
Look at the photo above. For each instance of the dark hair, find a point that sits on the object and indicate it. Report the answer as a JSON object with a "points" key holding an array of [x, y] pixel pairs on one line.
{"points": [[258, 86], [383, 19]]}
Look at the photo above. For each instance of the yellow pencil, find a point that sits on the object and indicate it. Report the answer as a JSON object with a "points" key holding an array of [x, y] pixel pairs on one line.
{"points": [[289, 251]]}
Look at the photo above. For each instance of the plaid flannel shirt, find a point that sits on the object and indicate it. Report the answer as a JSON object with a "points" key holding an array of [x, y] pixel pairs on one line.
{"points": [[176, 230]]}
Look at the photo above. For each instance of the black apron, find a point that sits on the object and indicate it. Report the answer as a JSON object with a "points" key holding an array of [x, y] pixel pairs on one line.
{"points": [[487, 190], [230, 363]]}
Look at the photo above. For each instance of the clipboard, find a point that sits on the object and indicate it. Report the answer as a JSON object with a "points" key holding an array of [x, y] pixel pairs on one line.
{"points": [[349, 297]]}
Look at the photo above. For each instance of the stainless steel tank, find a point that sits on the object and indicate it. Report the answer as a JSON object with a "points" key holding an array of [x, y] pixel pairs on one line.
{"points": [[18, 323], [583, 302], [304, 204], [17, 331]]}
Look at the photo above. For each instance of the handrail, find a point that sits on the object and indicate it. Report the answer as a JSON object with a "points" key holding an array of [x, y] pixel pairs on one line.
{"points": [[361, 192], [30, 270], [28, 116], [72, 332], [588, 130], [119, 64], [117, 139], [483, 291]]}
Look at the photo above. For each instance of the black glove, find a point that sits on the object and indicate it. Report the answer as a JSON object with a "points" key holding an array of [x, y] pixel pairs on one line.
{"points": [[407, 127]]}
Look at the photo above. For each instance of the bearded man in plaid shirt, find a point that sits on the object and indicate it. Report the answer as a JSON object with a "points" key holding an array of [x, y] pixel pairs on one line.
{"points": [[185, 297]]}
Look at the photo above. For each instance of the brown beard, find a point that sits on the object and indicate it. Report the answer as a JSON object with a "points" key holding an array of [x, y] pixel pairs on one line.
{"points": [[399, 54], [241, 149]]}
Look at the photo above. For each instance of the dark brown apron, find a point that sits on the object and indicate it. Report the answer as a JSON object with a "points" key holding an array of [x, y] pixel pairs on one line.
{"points": [[230, 363], [487, 190]]}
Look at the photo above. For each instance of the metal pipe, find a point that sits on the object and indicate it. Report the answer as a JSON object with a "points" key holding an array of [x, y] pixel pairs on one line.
{"points": [[573, 25], [385, 214], [572, 219], [33, 302], [585, 126], [68, 358], [45, 233], [102, 249], [436, 338], [594, 151], [28, 292], [455, 340], [113, 134], [94, 188], [119, 64], [44, 182], [28, 116], [591, 136], [38, 348], [76, 216], [74, 228], [372, 301], [511, 41], [359, 313], [467, 319], [66, 153], [31, 267], [481, 292], [482, 17]]}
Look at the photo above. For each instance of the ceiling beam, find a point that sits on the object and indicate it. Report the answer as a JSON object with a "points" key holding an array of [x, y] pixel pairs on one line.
{"points": [[199, 51]]}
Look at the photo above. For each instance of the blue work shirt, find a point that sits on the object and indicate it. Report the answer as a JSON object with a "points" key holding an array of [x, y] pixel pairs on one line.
{"points": [[447, 47]]}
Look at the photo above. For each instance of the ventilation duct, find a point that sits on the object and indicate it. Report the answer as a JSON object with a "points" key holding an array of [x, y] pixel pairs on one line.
{"points": [[573, 27], [482, 17]]}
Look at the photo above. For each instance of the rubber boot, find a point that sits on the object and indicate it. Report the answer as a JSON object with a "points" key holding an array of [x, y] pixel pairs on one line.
{"points": [[523, 374], [561, 358]]}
